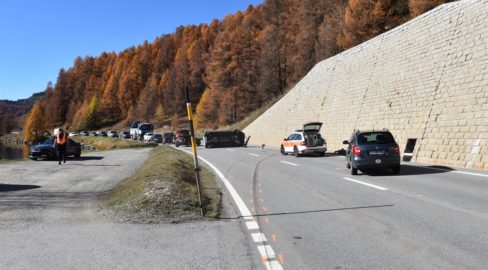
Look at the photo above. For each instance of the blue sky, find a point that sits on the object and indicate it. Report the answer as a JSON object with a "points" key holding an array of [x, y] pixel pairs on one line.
{"points": [[39, 37]]}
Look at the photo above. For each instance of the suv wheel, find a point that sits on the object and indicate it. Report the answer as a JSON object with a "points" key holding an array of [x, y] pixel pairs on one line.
{"points": [[354, 171], [295, 152], [396, 169], [282, 150]]}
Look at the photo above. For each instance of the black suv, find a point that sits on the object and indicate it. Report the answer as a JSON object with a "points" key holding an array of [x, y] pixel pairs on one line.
{"points": [[371, 150]]}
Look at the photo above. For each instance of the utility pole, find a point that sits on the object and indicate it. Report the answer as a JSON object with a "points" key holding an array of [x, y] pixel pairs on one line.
{"points": [[194, 148]]}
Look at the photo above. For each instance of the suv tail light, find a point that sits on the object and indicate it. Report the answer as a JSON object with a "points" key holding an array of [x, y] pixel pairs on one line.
{"points": [[356, 151], [396, 149]]}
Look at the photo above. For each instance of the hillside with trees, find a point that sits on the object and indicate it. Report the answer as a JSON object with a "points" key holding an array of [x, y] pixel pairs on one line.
{"points": [[231, 67]]}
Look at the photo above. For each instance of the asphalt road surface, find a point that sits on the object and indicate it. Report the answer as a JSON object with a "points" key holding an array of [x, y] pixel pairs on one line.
{"points": [[286, 213], [310, 213], [50, 219]]}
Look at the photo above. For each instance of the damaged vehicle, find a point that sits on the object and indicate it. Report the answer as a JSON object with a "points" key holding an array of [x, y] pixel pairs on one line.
{"points": [[305, 141]]}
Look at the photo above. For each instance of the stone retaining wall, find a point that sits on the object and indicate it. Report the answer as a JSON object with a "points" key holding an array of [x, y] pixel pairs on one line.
{"points": [[426, 80]]}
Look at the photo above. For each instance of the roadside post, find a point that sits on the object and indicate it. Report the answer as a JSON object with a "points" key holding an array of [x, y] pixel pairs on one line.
{"points": [[194, 149]]}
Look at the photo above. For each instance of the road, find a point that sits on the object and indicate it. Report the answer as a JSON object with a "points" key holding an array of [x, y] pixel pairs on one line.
{"points": [[310, 213], [283, 213], [50, 219]]}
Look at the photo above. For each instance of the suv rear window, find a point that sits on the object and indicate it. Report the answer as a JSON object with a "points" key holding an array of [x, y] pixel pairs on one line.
{"points": [[375, 138]]}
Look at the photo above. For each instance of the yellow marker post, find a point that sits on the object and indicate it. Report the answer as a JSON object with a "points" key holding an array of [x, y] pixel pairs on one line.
{"points": [[194, 148]]}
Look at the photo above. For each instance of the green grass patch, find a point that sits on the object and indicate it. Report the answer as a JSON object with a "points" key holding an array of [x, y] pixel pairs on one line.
{"points": [[105, 143], [163, 190]]}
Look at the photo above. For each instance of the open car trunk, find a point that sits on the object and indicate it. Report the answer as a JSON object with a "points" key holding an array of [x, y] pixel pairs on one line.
{"points": [[312, 135]]}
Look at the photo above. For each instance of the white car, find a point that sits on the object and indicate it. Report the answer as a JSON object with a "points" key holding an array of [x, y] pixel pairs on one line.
{"points": [[148, 136], [73, 134]]}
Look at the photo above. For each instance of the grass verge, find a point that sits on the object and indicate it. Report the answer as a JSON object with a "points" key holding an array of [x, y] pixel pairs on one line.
{"points": [[105, 143], [163, 190]]}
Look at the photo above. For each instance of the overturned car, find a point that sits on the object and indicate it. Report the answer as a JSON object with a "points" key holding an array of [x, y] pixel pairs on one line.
{"points": [[224, 138]]}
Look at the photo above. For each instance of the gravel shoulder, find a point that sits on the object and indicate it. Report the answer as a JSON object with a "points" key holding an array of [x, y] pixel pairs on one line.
{"points": [[50, 218]]}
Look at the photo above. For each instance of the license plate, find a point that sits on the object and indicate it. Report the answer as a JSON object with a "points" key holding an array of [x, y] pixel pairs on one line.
{"points": [[376, 152]]}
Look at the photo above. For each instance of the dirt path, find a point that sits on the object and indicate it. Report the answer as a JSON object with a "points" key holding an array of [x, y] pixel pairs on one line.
{"points": [[50, 219]]}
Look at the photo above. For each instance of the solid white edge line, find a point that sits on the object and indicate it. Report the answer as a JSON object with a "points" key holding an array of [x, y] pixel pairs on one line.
{"points": [[289, 163], [470, 173], [256, 155], [453, 171], [245, 212], [366, 184]]}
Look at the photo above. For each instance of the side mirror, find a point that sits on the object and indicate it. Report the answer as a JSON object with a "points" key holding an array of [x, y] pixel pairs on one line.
{"points": [[285, 139], [345, 142]]}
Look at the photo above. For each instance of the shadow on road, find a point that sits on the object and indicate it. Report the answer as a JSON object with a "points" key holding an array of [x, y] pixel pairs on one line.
{"points": [[94, 165], [8, 187], [409, 170], [311, 211]]}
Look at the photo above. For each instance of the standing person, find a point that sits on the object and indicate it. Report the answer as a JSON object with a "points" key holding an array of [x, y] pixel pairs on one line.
{"points": [[60, 145]]}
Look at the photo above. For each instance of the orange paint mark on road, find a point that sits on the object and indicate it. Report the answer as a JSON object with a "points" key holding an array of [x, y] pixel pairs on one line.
{"points": [[264, 260], [281, 258], [265, 209], [266, 219], [274, 238]]}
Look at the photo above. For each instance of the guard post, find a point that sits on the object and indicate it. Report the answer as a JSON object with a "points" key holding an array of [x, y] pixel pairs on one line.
{"points": [[194, 148]]}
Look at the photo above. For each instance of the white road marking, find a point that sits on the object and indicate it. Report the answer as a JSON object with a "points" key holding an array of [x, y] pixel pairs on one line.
{"points": [[237, 199], [289, 163], [266, 251], [259, 237], [364, 183], [255, 155], [252, 225], [452, 171], [470, 173], [273, 265]]}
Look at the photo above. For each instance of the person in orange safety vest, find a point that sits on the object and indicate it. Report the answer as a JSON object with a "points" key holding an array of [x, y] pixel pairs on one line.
{"points": [[60, 143]]}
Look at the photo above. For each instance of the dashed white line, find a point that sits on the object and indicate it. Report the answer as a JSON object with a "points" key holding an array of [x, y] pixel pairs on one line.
{"points": [[273, 265], [259, 237], [364, 183], [266, 251], [289, 163], [252, 225], [255, 155]]}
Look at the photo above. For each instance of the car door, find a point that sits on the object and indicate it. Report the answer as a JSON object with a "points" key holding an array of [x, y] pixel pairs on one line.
{"points": [[288, 144]]}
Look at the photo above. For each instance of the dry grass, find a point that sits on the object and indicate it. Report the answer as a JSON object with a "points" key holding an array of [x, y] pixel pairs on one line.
{"points": [[163, 190], [105, 143]]}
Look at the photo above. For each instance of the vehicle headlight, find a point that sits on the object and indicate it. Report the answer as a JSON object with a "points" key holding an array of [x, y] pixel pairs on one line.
{"points": [[35, 150]]}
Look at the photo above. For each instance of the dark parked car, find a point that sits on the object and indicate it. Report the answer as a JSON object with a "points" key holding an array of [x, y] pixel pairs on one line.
{"points": [[157, 138], [168, 137], [93, 133], [224, 138], [183, 138], [372, 150], [83, 133], [102, 133], [124, 135], [46, 150]]}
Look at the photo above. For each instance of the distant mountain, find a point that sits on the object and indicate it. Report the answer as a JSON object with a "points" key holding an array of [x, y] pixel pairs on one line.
{"points": [[12, 113]]}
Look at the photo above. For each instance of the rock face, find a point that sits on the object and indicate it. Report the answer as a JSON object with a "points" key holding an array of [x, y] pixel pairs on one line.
{"points": [[426, 81]]}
